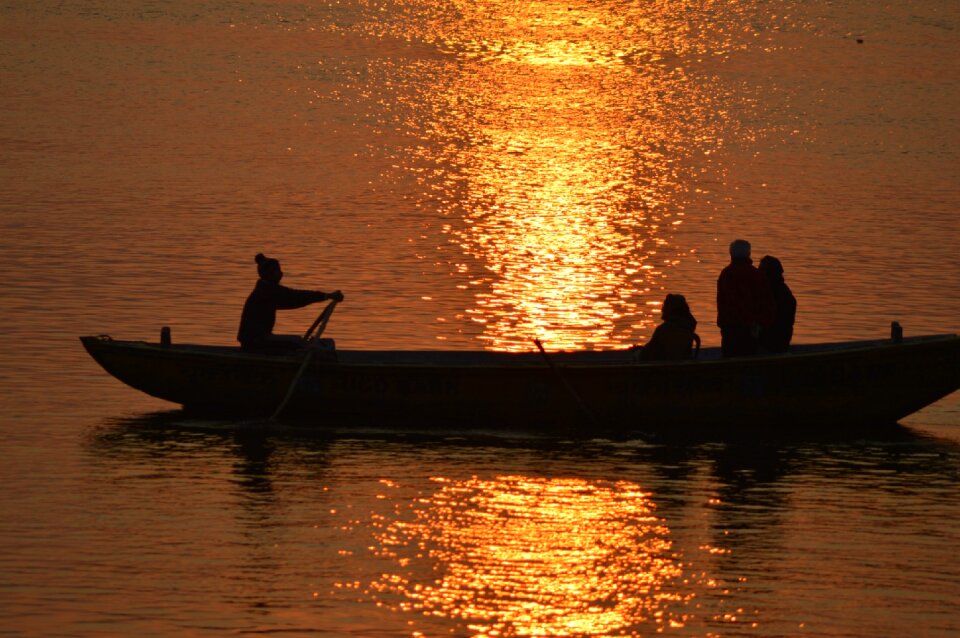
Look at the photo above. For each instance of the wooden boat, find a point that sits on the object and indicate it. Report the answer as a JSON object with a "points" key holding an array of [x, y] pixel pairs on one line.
{"points": [[862, 383]]}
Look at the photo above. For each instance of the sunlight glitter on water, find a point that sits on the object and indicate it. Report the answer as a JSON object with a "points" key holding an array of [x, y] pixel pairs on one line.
{"points": [[516, 555], [564, 136]]}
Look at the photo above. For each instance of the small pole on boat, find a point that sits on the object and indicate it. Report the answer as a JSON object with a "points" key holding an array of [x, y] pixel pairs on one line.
{"points": [[566, 384]]}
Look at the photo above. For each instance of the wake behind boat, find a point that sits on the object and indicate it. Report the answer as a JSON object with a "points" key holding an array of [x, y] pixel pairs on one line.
{"points": [[848, 384]]}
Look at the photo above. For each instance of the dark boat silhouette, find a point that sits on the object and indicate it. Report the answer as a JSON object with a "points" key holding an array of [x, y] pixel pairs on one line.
{"points": [[828, 385]]}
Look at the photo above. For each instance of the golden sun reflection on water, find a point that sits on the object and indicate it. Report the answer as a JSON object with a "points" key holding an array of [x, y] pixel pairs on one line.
{"points": [[561, 133], [525, 556]]}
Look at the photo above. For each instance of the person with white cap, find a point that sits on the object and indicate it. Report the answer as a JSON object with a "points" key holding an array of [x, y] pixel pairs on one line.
{"points": [[744, 303]]}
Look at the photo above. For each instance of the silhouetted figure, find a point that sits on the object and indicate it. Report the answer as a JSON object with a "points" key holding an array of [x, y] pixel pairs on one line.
{"points": [[744, 303], [673, 339], [260, 310], [776, 337]]}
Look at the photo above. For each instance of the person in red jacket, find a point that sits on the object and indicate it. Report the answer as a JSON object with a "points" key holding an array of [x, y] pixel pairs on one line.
{"points": [[744, 303], [260, 310]]}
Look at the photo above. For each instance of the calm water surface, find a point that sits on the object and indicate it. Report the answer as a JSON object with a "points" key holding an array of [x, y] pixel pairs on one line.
{"points": [[472, 175]]}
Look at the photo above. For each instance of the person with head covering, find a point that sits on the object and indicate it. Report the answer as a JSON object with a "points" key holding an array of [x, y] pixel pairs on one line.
{"points": [[744, 303], [673, 339], [260, 310], [776, 337]]}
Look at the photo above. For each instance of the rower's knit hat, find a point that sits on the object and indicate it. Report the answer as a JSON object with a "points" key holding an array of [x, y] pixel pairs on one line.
{"points": [[265, 263]]}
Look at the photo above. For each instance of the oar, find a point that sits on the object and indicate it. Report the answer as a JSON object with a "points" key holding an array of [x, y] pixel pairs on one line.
{"points": [[566, 384], [320, 324]]}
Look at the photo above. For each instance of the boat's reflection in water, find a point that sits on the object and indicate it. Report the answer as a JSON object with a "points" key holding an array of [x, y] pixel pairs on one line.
{"points": [[517, 555], [471, 535]]}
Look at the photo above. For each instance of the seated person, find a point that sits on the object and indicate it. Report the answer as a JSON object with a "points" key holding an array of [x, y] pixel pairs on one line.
{"points": [[674, 338], [260, 310]]}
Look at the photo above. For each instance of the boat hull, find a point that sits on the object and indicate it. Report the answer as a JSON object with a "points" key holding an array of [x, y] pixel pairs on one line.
{"points": [[854, 384]]}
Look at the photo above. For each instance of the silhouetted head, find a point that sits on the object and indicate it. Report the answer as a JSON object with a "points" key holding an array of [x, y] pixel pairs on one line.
{"points": [[268, 268], [771, 267], [739, 248], [675, 308]]}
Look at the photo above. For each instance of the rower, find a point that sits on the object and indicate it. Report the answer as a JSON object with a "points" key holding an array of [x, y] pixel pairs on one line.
{"points": [[260, 310]]}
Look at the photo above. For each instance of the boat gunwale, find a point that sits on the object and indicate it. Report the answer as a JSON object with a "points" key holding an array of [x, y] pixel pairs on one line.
{"points": [[507, 359]]}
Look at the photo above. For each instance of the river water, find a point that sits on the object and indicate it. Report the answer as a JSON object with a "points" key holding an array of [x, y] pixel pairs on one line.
{"points": [[472, 174]]}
